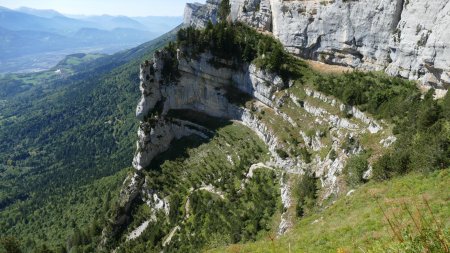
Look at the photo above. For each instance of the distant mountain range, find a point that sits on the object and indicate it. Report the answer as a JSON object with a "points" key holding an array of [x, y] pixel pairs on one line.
{"points": [[27, 31], [40, 13]]}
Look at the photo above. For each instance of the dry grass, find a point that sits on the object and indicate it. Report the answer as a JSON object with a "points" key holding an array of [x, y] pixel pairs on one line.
{"points": [[414, 226], [327, 68]]}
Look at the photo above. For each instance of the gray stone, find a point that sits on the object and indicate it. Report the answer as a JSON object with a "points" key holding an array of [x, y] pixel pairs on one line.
{"points": [[405, 38]]}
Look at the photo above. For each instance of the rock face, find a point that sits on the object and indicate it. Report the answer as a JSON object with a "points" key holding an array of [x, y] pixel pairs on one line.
{"points": [[304, 130], [421, 47], [201, 89], [168, 111], [407, 38], [171, 108]]}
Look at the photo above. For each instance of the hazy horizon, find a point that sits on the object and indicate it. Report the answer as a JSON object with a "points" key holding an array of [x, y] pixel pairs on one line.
{"points": [[131, 8]]}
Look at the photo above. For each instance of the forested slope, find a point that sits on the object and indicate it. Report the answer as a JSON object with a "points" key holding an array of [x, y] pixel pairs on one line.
{"points": [[58, 134]]}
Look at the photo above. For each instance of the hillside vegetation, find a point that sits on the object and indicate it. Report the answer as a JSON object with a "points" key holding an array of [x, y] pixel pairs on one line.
{"points": [[421, 123], [60, 134], [416, 206], [213, 200]]}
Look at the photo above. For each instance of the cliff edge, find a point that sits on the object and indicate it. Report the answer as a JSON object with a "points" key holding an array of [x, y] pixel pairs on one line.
{"points": [[406, 38]]}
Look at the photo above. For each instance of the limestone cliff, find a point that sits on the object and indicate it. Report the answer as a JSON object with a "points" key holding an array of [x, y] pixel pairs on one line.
{"points": [[305, 131], [407, 38], [173, 108], [201, 88]]}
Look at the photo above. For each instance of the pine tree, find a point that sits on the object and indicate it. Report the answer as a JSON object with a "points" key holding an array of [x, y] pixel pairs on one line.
{"points": [[10, 244], [224, 10]]}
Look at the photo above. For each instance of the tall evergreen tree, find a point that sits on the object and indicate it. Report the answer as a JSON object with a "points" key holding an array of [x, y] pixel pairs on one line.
{"points": [[224, 10]]}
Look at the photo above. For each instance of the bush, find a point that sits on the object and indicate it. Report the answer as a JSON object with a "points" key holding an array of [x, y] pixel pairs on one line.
{"points": [[282, 153], [446, 106], [355, 168], [307, 194], [383, 168], [333, 154], [306, 156]]}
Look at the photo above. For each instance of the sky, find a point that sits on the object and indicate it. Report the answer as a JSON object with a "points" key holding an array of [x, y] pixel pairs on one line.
{"points": [[110, 7]]}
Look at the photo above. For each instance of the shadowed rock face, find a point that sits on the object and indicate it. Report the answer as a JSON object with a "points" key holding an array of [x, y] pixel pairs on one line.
{"points": [[200, 88], [404, 38], [167, 111]]}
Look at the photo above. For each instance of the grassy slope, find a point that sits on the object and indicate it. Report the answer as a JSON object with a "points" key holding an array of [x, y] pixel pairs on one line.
{"points": [[356, 223]]}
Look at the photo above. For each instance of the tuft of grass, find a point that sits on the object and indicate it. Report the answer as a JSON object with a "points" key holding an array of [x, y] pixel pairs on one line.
{"points": [[420, 231]]}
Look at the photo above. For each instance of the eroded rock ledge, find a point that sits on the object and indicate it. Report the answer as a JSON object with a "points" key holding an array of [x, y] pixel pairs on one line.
{"points": [[170, 110], [200, 89]]}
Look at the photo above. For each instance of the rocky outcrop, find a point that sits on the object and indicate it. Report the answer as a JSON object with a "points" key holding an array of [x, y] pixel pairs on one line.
{"points": [[201, 89], [407, 38], [420, 48], [372, 125], [131, 188], [155, 136], [168, 110], [198, 15], [203, 93]]}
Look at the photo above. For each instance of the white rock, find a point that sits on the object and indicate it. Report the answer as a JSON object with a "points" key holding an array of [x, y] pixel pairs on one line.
{"points": [[285, 223], [368, 173], [138, 231], [350, 192], [367, 34], [388, 141]]}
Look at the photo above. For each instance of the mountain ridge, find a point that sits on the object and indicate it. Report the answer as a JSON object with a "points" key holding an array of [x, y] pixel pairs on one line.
{"points": [[238, 141], [325, 133], [46, 39], [48, 13]]}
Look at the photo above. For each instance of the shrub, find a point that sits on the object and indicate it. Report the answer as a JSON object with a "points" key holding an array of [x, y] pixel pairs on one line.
{"points": [[354, 170], [446, 106], [306, 156], [383, 168], [333, 154], [307, 194], [282, 153]]}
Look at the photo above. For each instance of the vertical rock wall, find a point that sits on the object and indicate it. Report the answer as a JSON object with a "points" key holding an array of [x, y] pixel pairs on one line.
{"points": [[407, 38]]}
